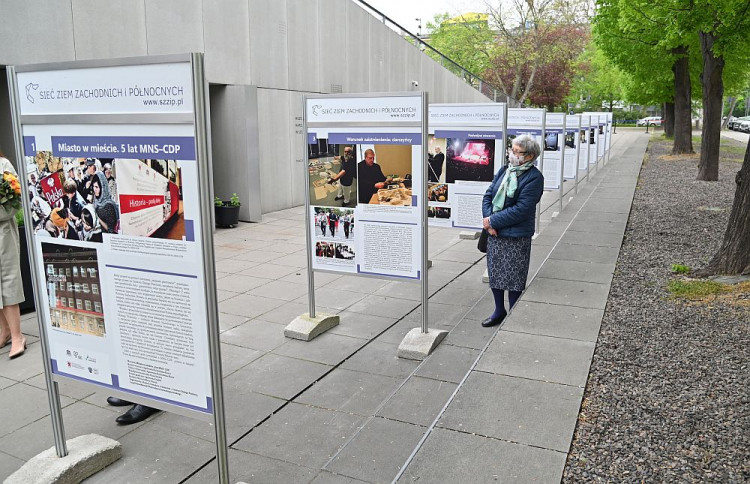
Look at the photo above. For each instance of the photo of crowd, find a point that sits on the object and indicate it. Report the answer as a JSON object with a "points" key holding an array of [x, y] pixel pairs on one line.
{"points": [[334, 223], [470, 160], [438, 212], [384, 176], [437, 192], [324, 249], [73, 198]]}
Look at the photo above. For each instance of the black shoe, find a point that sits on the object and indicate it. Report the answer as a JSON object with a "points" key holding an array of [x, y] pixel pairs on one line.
{"points": [[339, 198], [117, 402], [494, 321], [138, 413]]}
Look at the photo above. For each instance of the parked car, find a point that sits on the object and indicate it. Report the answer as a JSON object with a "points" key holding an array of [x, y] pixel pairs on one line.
{"points": [[743, 126], [651, 121], [733, 123]]}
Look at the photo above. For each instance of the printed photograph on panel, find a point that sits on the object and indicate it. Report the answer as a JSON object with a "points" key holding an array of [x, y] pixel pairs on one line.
{"points": [[435, 159], [470, 159], [333, 174], [384, 175], [552, 141], [74, 289], [83, 198], [437, 192], [570, 139], [334, 223], [439, 212]]}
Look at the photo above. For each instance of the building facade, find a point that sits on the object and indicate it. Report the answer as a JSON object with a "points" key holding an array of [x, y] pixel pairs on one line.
{"points": [[74, 289]]}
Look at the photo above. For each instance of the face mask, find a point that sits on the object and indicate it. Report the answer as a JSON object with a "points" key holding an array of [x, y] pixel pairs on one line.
{"points": [[514, 159]]}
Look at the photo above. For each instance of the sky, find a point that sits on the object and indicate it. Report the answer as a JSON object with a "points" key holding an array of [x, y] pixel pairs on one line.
{"points": [[405, 12]]}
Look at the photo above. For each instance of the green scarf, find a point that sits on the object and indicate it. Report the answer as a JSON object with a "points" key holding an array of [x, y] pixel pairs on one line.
{"points": [[508, 185]]}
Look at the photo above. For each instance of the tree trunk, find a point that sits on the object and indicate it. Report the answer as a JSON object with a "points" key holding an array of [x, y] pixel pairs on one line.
{"points": [[734, 255], [713, 95], [669, 120], [683, 131]]}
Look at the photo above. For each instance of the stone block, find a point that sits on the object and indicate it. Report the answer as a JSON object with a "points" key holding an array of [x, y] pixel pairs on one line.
{"points": [[418, 345], [87, 455], [306, 328], [468, 235]]}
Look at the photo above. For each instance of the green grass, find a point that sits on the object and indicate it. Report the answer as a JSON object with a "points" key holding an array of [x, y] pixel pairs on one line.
{"points": [[694, 289], [680, 269]]}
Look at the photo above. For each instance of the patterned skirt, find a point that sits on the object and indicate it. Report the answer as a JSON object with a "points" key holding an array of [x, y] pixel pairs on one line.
{"points": [[508, 262]]}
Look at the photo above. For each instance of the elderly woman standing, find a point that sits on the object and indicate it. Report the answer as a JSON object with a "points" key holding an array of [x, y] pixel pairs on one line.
{"points": [[509, 210], [11, 287]]}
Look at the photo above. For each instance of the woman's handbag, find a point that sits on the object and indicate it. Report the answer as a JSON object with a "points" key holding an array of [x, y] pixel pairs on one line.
{"points": [[482, 243]]}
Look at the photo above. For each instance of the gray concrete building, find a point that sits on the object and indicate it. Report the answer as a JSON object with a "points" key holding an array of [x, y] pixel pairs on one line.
{"points": [[261, 56]]}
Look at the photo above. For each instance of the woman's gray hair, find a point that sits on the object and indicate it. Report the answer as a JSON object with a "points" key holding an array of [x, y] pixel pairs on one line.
{"points": [[529, 145]]}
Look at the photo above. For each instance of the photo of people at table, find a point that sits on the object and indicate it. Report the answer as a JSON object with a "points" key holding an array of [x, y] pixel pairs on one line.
{"points": [[470, 159], [437, 192], [384, 175], [334, 223]]}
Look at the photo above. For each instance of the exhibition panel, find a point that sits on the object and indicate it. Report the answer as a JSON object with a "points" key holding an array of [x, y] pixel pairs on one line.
{"points": [[466, 147], [583, 156], [117, 197], [530, 121], [572, 146]]}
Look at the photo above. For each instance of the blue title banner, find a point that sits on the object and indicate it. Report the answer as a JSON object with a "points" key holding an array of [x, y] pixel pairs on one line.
{"points": [[312, 138], [376, 138], [532, 132], [134, 147], [468, 134]]}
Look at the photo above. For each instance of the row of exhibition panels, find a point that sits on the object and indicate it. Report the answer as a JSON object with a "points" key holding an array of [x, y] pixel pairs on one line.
{"points": [[160, 345]]}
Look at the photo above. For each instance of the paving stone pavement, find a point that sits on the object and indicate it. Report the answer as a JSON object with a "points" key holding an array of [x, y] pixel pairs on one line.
{"points": [[489, 405]]}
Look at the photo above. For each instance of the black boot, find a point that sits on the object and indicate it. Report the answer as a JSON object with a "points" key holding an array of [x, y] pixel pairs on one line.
{"points": [[138, 413]]}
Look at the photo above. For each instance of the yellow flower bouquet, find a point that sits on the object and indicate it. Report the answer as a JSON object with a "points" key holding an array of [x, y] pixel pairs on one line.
{"points": [[10, 192]]}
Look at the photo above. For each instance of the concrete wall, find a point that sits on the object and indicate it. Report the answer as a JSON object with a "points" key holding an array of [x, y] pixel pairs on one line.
{"points": [[284, 47]]}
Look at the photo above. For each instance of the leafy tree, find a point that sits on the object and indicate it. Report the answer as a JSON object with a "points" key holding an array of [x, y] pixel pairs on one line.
{"points": [[600, 81], [466, 39], [637, 36]]}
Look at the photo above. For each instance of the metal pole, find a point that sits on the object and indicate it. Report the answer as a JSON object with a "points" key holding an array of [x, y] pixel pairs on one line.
{"points": [[53, 393], [308, 235], [562, 163], [541, 168], [203, 158], [423, 215], [578, 152]]}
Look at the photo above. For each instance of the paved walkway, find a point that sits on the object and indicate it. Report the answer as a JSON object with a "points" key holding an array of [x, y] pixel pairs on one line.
{"points": [[488, 405]]}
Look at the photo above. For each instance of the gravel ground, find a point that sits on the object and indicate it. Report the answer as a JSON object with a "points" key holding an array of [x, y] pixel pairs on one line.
{"points": [[667, 396]]}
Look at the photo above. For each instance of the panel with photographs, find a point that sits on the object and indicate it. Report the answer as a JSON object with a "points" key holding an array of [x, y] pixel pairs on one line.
{"points": [[470, 159], [84, 198]]}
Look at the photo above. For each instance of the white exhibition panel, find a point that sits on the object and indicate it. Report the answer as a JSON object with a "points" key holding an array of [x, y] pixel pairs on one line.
{"points": [[554, 141], [593, 139], [126, 311], [529, 121], [583, 155], [471, 138], [379, 232], [572, 146]]}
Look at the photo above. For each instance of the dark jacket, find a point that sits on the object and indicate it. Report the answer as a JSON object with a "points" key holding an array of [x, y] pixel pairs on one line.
{"points": [[516, 219]]}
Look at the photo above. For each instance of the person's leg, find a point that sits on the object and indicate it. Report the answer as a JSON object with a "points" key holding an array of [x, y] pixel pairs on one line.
{"points": [[499, 296], [340, 193], [513, 297], [12, 318], [4, 330], [347, 193]]}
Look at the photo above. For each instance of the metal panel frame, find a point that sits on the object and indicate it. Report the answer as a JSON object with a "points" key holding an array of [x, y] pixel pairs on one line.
{"points": [[423, 191], [203, 160]]}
